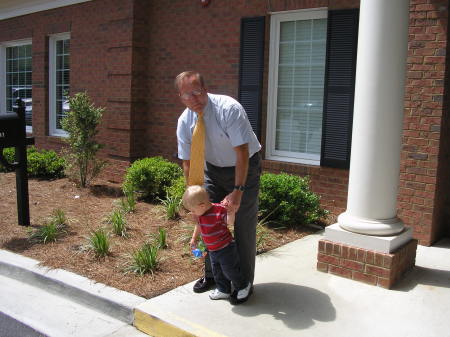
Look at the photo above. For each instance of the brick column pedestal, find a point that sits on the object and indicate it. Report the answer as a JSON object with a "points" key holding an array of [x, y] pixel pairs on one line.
{"points": [[364, 265]]}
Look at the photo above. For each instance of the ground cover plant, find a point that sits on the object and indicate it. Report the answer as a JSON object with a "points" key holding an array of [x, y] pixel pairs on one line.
{"points": [[153, 257]]}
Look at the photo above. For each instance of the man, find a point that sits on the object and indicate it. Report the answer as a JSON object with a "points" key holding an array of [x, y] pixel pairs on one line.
{"points": [[233, 162]]}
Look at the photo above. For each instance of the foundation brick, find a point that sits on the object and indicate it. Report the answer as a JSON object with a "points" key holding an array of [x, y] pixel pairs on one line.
{"points": [[352, 265], [370, 279], [328, 259], [340, 271], [322, 267], [362, 265]]}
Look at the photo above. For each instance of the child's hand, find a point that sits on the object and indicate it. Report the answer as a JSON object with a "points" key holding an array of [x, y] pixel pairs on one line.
{"points": [[193, 243]]}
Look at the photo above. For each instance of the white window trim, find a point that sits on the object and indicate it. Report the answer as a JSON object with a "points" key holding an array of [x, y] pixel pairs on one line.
{"points": [[3, 46], [53, 131], [275, 21]]}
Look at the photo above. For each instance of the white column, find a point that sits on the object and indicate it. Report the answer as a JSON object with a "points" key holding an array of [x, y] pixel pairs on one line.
{"points": [[377, 121]]}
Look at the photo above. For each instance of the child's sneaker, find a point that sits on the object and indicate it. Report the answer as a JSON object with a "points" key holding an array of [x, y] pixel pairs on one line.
{"points": [[216, 294]]}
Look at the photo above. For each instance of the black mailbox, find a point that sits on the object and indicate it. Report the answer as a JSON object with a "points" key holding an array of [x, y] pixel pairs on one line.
{"points": [[13, 134], [10, 130]]}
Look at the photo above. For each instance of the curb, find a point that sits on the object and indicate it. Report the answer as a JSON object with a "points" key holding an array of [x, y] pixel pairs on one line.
{"points": [[110, 301]]}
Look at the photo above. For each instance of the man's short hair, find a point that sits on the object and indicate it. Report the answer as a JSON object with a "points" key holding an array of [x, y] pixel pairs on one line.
{"points": [[187, 74]]}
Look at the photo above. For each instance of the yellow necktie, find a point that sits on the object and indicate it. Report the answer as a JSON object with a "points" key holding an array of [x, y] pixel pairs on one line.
{"points": [[197, 162]]}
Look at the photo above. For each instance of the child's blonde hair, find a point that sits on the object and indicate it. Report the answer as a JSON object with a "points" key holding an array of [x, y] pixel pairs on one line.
{"points": [[194, 195]]}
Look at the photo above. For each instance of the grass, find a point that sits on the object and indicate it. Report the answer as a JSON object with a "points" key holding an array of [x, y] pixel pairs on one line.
{"points": [[128, 204], [160, 238], [118, 223], [172, 206], [99, 242], [144, 260], [55, 227]]}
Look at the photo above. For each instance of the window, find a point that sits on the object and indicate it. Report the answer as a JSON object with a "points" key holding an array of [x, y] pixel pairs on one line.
{"points": [[59, 81], [16, 78], [296, 86]]}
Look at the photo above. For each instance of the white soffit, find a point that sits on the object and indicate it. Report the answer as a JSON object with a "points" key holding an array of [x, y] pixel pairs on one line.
{"points": [[13, 8]]}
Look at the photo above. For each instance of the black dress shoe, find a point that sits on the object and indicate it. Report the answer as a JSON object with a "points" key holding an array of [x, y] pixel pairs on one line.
{"points": [[234, 300], [204, 284]]}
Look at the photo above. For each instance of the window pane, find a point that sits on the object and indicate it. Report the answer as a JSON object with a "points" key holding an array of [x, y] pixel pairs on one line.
{"points": [[62, 80], [301, 72], [18, 79]]}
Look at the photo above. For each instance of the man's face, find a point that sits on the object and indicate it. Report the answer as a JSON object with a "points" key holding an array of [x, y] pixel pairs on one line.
{"points": [[192, 94]]}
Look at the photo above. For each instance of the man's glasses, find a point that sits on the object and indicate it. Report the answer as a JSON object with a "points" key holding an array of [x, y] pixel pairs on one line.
{"points": [[189, 95]]}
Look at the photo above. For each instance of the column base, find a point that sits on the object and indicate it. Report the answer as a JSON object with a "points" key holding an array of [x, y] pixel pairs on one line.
{"points": [[379, 227], [366, 265], [384, 244]]}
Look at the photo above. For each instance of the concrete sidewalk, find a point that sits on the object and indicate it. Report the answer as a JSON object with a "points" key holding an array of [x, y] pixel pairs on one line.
{"points": [[291, 298]]}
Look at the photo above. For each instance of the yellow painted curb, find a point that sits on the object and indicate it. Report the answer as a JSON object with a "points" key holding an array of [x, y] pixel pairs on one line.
{"points": [[156, 327]]}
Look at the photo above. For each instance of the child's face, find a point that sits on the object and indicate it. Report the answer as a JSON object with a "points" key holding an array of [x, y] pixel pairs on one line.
{"points": [[199, 209]]}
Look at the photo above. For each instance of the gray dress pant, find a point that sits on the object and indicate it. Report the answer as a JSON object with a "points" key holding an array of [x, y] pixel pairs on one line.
{"points": [[219, 182]]}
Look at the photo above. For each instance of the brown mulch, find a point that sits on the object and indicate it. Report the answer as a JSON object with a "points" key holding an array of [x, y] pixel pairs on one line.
{"points": [[87, 210]]}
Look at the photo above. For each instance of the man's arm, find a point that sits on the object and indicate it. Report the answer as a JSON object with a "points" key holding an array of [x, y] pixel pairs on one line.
{"points": [[233, 200], [186, 166]]}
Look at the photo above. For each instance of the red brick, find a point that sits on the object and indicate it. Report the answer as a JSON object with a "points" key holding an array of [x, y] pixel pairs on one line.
{"points": [[321, 246], [385, 282], [337, 249], [328, 259], [322, 267], [370, 257], [377, 271], [352, 265], [378, 259], [340, 271], [370, 279], [328, 247]]}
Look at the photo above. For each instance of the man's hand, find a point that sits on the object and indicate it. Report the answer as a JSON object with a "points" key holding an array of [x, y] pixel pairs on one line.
{"points": [[232, 201]]}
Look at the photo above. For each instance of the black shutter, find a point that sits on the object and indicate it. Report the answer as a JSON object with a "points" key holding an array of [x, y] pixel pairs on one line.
{"points": [[251, 67], [342, 38]]}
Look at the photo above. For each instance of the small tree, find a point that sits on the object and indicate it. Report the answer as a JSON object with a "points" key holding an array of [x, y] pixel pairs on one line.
{"points": [[81, 124]]}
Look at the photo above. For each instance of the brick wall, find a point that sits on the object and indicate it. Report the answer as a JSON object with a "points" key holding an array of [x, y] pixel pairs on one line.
{"points": [[127, 53], [101, 64], [423, 113]]}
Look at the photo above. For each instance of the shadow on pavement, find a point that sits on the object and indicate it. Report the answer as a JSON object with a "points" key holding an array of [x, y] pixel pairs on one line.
{"points": [[297, 306], [425, 276]]}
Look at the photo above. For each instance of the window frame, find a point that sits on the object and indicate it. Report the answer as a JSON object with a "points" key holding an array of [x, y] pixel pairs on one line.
{"points": [[53, 39], [275, 23], [3, 46]]}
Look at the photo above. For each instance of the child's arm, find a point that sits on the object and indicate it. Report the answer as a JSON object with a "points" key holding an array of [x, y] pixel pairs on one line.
{"points": [[195, 236], [230, 217]]}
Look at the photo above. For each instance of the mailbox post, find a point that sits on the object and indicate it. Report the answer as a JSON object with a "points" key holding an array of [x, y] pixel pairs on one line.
{"points": [[13, 134]]}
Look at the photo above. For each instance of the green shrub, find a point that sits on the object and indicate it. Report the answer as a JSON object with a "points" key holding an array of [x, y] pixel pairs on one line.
{"points": [[177, 188], [8, 154], [150, 177], [286, 200], [81, 124], [45, 164]]}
